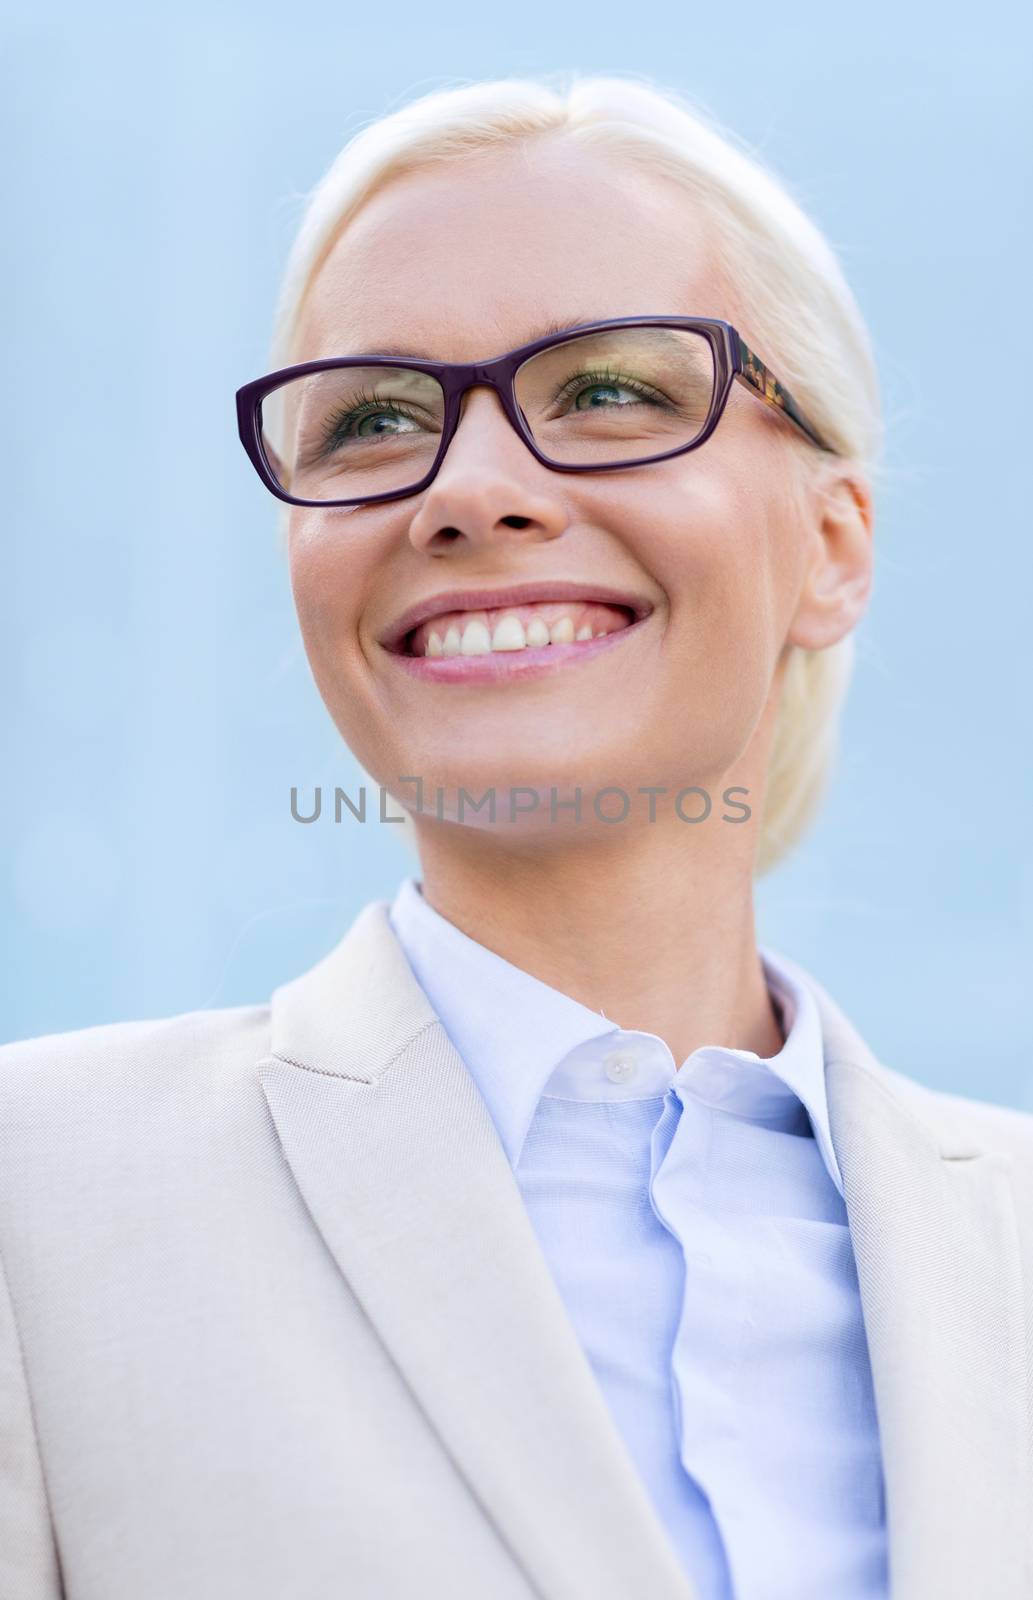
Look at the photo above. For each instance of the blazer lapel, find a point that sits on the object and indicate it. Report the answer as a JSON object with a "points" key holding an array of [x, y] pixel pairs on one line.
{"points": [[935, 1236], [400, 1166], [399, 1163]]}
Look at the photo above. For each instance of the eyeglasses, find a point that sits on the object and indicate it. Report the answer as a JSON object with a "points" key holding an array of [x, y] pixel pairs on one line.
{"points": [[598, 397]]}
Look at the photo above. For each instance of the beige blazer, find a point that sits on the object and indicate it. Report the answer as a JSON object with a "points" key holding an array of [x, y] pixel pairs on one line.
{"points": [[275, 1325]]}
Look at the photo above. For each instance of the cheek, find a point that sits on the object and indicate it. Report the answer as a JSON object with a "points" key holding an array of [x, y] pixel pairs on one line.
{"points": [[709, 543], [717, 545], [327, 580]]}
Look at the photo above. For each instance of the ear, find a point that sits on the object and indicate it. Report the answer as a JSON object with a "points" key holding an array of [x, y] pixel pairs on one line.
{"points": [[839, 572]]}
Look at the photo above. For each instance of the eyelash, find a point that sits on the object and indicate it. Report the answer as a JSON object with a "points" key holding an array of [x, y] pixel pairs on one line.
{"points": [[366, 401], [609, 376]]}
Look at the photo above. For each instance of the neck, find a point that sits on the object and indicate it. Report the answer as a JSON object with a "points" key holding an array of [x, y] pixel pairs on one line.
{"points": [[655, 929]]}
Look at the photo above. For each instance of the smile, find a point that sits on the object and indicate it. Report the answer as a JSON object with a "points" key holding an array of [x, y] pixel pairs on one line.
{"points": [[513, 642]]}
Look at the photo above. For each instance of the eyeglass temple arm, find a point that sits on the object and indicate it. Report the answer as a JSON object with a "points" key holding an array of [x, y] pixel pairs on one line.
{"points": [[752, 372]]}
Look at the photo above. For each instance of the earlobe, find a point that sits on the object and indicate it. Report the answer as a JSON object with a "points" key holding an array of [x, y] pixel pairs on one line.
{"points": [[839, 578]]}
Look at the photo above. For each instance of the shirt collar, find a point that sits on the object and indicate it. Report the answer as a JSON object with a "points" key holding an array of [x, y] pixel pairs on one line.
{"points": [[562, 1049]]}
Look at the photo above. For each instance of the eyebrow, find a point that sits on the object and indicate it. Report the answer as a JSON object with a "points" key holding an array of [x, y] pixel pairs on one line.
{"points": [[560, 325]]}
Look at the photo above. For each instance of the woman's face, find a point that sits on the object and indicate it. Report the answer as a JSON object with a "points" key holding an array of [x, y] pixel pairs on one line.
{"points": [[724, 544]]}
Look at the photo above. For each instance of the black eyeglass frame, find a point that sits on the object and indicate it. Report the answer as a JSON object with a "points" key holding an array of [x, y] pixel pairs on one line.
{"points": [[734, 361]]}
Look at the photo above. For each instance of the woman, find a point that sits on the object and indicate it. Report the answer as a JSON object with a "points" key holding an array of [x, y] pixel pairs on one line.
{"points": [[548, 1238]]}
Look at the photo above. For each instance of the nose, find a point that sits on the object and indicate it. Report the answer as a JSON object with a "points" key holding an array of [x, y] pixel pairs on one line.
{"points": [[489, 489]]}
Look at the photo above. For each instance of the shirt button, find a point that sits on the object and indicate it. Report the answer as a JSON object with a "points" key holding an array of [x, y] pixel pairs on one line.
{"points": [[621, 1069]]}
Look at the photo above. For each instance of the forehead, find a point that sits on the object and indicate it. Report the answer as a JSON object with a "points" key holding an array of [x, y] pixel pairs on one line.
{"points": [[463, 261]]}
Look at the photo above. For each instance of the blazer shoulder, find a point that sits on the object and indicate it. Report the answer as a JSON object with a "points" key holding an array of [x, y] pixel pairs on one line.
{"points": [[1010, 1124], [1008, 1127], [108, 1054]]}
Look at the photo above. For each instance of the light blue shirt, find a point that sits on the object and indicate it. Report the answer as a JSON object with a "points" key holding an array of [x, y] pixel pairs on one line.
{"points": [[693, 1220]]}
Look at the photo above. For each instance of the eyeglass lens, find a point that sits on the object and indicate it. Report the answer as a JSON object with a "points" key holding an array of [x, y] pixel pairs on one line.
{"points": [[617, 395]]}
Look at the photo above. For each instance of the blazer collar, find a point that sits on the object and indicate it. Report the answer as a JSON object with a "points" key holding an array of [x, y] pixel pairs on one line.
{"points": [[395, 1153]]}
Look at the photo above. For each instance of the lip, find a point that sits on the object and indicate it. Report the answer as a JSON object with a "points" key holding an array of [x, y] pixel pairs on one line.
{"points": [[517, 594], [505, 665]]}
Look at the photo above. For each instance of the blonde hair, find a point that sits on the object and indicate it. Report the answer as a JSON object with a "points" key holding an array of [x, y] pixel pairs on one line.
{"points": [[809, 327]]}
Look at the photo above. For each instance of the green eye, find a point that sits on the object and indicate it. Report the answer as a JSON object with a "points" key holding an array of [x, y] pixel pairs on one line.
{"points": [[347, 424], [583, 383]]}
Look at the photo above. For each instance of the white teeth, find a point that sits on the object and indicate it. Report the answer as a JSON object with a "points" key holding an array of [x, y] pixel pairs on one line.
{"points": [[509, 634], [476, 639]]}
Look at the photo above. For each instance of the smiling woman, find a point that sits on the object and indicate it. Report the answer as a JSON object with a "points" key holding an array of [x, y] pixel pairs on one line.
{"points": [[549, 1237], [609, 201]]}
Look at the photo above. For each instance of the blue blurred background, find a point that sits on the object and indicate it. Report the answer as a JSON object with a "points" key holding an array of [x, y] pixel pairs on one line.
{"points": [[158, 704]]}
